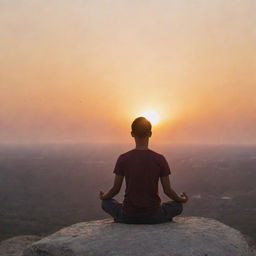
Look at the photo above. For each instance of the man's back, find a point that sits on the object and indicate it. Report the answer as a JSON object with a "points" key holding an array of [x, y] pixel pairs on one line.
{"points": [[142, 169]]}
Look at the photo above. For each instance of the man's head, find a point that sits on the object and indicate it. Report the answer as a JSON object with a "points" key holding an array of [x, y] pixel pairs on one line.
{"points": [[141, 128]]}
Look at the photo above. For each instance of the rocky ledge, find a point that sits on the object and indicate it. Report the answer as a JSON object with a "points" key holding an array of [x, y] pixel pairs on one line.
{"points": [[14, 246], [185, 236]]}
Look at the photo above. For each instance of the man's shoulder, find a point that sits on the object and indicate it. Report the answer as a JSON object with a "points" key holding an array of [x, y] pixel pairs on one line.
{"points": [[126, 154], [155, 153], [131, 152]]}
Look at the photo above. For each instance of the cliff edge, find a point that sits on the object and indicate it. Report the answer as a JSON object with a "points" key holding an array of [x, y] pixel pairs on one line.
{"points": [[185, 236]]}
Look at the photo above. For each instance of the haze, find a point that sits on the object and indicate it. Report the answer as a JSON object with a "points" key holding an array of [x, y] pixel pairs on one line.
{"points": [[81, 71]]}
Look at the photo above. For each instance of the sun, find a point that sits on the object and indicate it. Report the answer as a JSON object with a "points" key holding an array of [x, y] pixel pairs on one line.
{"points": [[152, 116]]}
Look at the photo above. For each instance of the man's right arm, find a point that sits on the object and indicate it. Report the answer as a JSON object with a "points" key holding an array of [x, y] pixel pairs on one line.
{"points": [[165, 181]]}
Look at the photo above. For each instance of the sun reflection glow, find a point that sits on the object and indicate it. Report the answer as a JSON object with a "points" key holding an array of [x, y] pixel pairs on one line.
{"points": [[152, 116]]}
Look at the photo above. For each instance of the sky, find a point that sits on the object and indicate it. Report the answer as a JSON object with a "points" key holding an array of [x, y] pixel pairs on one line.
{"points": [[83, 70]]}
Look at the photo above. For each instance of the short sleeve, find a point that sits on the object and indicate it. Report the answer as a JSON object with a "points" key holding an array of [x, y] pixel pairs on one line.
{"points": [[165, 169], [118, 167]]}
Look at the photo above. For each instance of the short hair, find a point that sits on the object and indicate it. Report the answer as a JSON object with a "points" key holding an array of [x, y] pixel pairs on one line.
{"points": [[141, 127]]}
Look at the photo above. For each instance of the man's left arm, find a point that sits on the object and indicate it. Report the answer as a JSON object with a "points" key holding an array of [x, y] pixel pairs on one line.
{"points": [[118, 181]]}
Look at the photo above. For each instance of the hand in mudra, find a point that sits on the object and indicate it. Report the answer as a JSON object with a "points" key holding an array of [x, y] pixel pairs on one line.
{"points": [[184, 197], [101, 195]]}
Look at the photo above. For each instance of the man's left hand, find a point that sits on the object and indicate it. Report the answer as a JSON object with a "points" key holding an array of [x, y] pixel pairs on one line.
{"points": [[101, 195]]}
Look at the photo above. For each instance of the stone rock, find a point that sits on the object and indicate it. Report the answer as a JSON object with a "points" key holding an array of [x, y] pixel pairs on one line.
{"points": [[186, 236], [14, 246]]}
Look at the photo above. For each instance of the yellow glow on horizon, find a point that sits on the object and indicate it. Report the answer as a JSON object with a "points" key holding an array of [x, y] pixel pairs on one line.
{"points": [[87, 79], [152, 116]]}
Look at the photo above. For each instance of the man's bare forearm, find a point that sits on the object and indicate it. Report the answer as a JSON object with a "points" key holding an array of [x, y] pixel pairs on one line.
{"points": [[173, 195], [111, 193]]}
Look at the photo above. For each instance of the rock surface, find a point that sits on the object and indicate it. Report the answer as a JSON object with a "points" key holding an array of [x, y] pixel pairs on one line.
{"points": [[14, 246], [186, 236]]}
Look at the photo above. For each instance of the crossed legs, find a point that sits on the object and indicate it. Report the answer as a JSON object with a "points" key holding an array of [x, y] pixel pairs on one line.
{"points": [[113, 208], [167, 211]]}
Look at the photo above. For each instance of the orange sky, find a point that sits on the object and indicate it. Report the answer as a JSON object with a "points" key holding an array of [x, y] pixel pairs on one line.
{"points": [[83, 70]]}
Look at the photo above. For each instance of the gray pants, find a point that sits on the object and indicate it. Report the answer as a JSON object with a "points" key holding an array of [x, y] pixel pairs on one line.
{"points": [[165, 213]]}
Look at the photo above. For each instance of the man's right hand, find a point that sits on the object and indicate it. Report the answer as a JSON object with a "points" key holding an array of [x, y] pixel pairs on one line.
{"points": [[183, 197]]}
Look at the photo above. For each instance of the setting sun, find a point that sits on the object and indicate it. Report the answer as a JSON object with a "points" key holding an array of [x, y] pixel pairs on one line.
{"points": [[152, 116]]}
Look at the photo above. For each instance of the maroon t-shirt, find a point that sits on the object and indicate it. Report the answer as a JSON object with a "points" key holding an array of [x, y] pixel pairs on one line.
{"points": [[142, 169]]}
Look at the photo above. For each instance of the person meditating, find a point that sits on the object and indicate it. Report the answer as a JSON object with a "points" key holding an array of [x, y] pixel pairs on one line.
{"points": [[142, 168]]}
